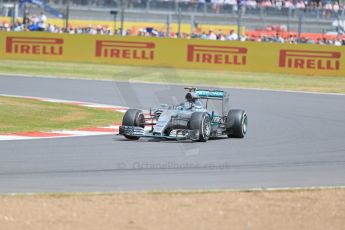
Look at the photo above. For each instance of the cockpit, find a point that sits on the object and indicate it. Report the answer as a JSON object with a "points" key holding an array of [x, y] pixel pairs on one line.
{"points": [[191, 103]]}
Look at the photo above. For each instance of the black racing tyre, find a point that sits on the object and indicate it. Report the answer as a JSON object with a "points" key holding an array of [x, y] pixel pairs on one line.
{"points": [[133, 117], [201, 121], [236, 123]]}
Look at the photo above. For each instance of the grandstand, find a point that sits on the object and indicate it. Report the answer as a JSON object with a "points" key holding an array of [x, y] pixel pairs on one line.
{"points": [[266, 16]]}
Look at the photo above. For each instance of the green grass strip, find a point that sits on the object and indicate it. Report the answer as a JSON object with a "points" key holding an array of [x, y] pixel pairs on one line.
{"points": [[179, 76], [26, 115]]}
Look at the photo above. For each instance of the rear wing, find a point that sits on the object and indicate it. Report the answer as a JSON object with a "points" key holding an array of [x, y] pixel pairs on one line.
{"points": [[210, 94]]}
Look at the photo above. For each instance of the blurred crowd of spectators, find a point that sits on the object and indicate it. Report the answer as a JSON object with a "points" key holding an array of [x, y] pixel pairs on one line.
{"points": [[231, 35]]}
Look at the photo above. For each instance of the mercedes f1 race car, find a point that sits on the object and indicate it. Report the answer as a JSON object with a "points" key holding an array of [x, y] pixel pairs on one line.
{"points": [[190, 120]]}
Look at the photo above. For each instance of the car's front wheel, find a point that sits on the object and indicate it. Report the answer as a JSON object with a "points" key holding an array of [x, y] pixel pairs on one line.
{"points": [[133, 117]]}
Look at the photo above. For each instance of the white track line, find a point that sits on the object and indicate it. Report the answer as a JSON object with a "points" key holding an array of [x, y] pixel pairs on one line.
{"points": [[268, 189]]}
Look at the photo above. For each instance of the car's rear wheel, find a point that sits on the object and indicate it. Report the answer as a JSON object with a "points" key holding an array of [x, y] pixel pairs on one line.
{"points": [[236, 123], [202, 122], [133, 117]]}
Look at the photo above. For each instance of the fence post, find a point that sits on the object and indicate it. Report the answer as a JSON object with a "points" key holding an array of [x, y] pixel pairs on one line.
{"points": [[168, 26], [179, 22], [289, 20], [343, 21], [338, 27], [239, 19], [192, 24], [14, 16], [67, 15], [25, 15], [114, 12], [122, 16], [300, 16]]}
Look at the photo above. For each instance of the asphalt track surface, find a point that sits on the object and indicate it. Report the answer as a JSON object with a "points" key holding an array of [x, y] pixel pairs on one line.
{"points": [[294, 140]]}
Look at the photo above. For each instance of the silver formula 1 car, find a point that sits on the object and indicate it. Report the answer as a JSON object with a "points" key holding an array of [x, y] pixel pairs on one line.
{"points": [[190, 120]]}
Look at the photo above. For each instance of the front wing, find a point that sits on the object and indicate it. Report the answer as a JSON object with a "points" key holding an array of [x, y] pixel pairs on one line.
{"points": [[176, 134]]}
